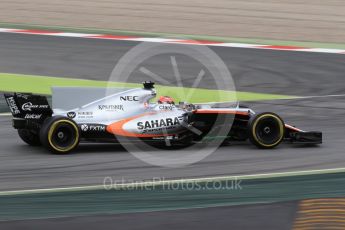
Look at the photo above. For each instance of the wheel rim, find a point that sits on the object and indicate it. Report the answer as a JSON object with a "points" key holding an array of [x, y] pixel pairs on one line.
{"points": [[63, 136], [268, 130]]}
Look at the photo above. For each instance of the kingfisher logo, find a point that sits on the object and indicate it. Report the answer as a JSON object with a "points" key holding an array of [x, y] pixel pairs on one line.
{"points": [[110, 107], [154, 124]]}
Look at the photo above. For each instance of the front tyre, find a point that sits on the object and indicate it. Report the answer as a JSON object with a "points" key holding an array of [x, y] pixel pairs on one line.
{"points": [[30, 137], [59, 134], [266, 130]]}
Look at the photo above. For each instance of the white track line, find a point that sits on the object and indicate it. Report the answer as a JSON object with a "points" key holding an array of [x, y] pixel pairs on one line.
{"points": [[5, 114], [174, 41], [175, 181], [279, 99], [321, 96]]}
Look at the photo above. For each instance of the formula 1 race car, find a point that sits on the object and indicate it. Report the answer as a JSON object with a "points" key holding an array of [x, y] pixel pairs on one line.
{"points": [[129, 114]]}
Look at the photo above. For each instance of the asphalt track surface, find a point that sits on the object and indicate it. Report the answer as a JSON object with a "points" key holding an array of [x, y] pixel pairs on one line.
{"points": [[266, 71]]}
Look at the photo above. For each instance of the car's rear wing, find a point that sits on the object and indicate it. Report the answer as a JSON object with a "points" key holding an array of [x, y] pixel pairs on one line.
{"points": [[27, 108]]}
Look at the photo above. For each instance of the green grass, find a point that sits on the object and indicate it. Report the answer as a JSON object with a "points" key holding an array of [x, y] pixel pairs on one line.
{"points": [[43, 84], [262, 41]]}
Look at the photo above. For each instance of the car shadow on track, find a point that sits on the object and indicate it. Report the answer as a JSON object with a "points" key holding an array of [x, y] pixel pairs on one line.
{"points": [[114, 148], [96, 148], [117, 148]]}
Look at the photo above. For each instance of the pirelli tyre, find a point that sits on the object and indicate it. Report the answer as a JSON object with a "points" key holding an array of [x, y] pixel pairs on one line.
{"points": [[266, 130], [59, 134], [29, 136]]}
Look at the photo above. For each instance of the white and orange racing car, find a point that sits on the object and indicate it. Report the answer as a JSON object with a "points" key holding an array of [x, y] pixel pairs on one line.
{"points": [[129, 115]]}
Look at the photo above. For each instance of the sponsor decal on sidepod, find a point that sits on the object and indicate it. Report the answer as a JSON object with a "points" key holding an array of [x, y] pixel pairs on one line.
{"points": [[158, 124], [92, 128]]}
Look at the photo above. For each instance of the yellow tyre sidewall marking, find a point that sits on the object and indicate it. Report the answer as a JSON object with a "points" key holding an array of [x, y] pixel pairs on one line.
{"points": [[281, 128], [50, 133]]}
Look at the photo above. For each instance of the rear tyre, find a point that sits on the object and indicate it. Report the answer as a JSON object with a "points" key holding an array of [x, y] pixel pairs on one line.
{"points": [[29, 137], [266, 130], [59, 134]]}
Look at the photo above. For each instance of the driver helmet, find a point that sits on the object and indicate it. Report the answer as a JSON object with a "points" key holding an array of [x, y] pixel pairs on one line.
{"points": [[166, 100]]}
